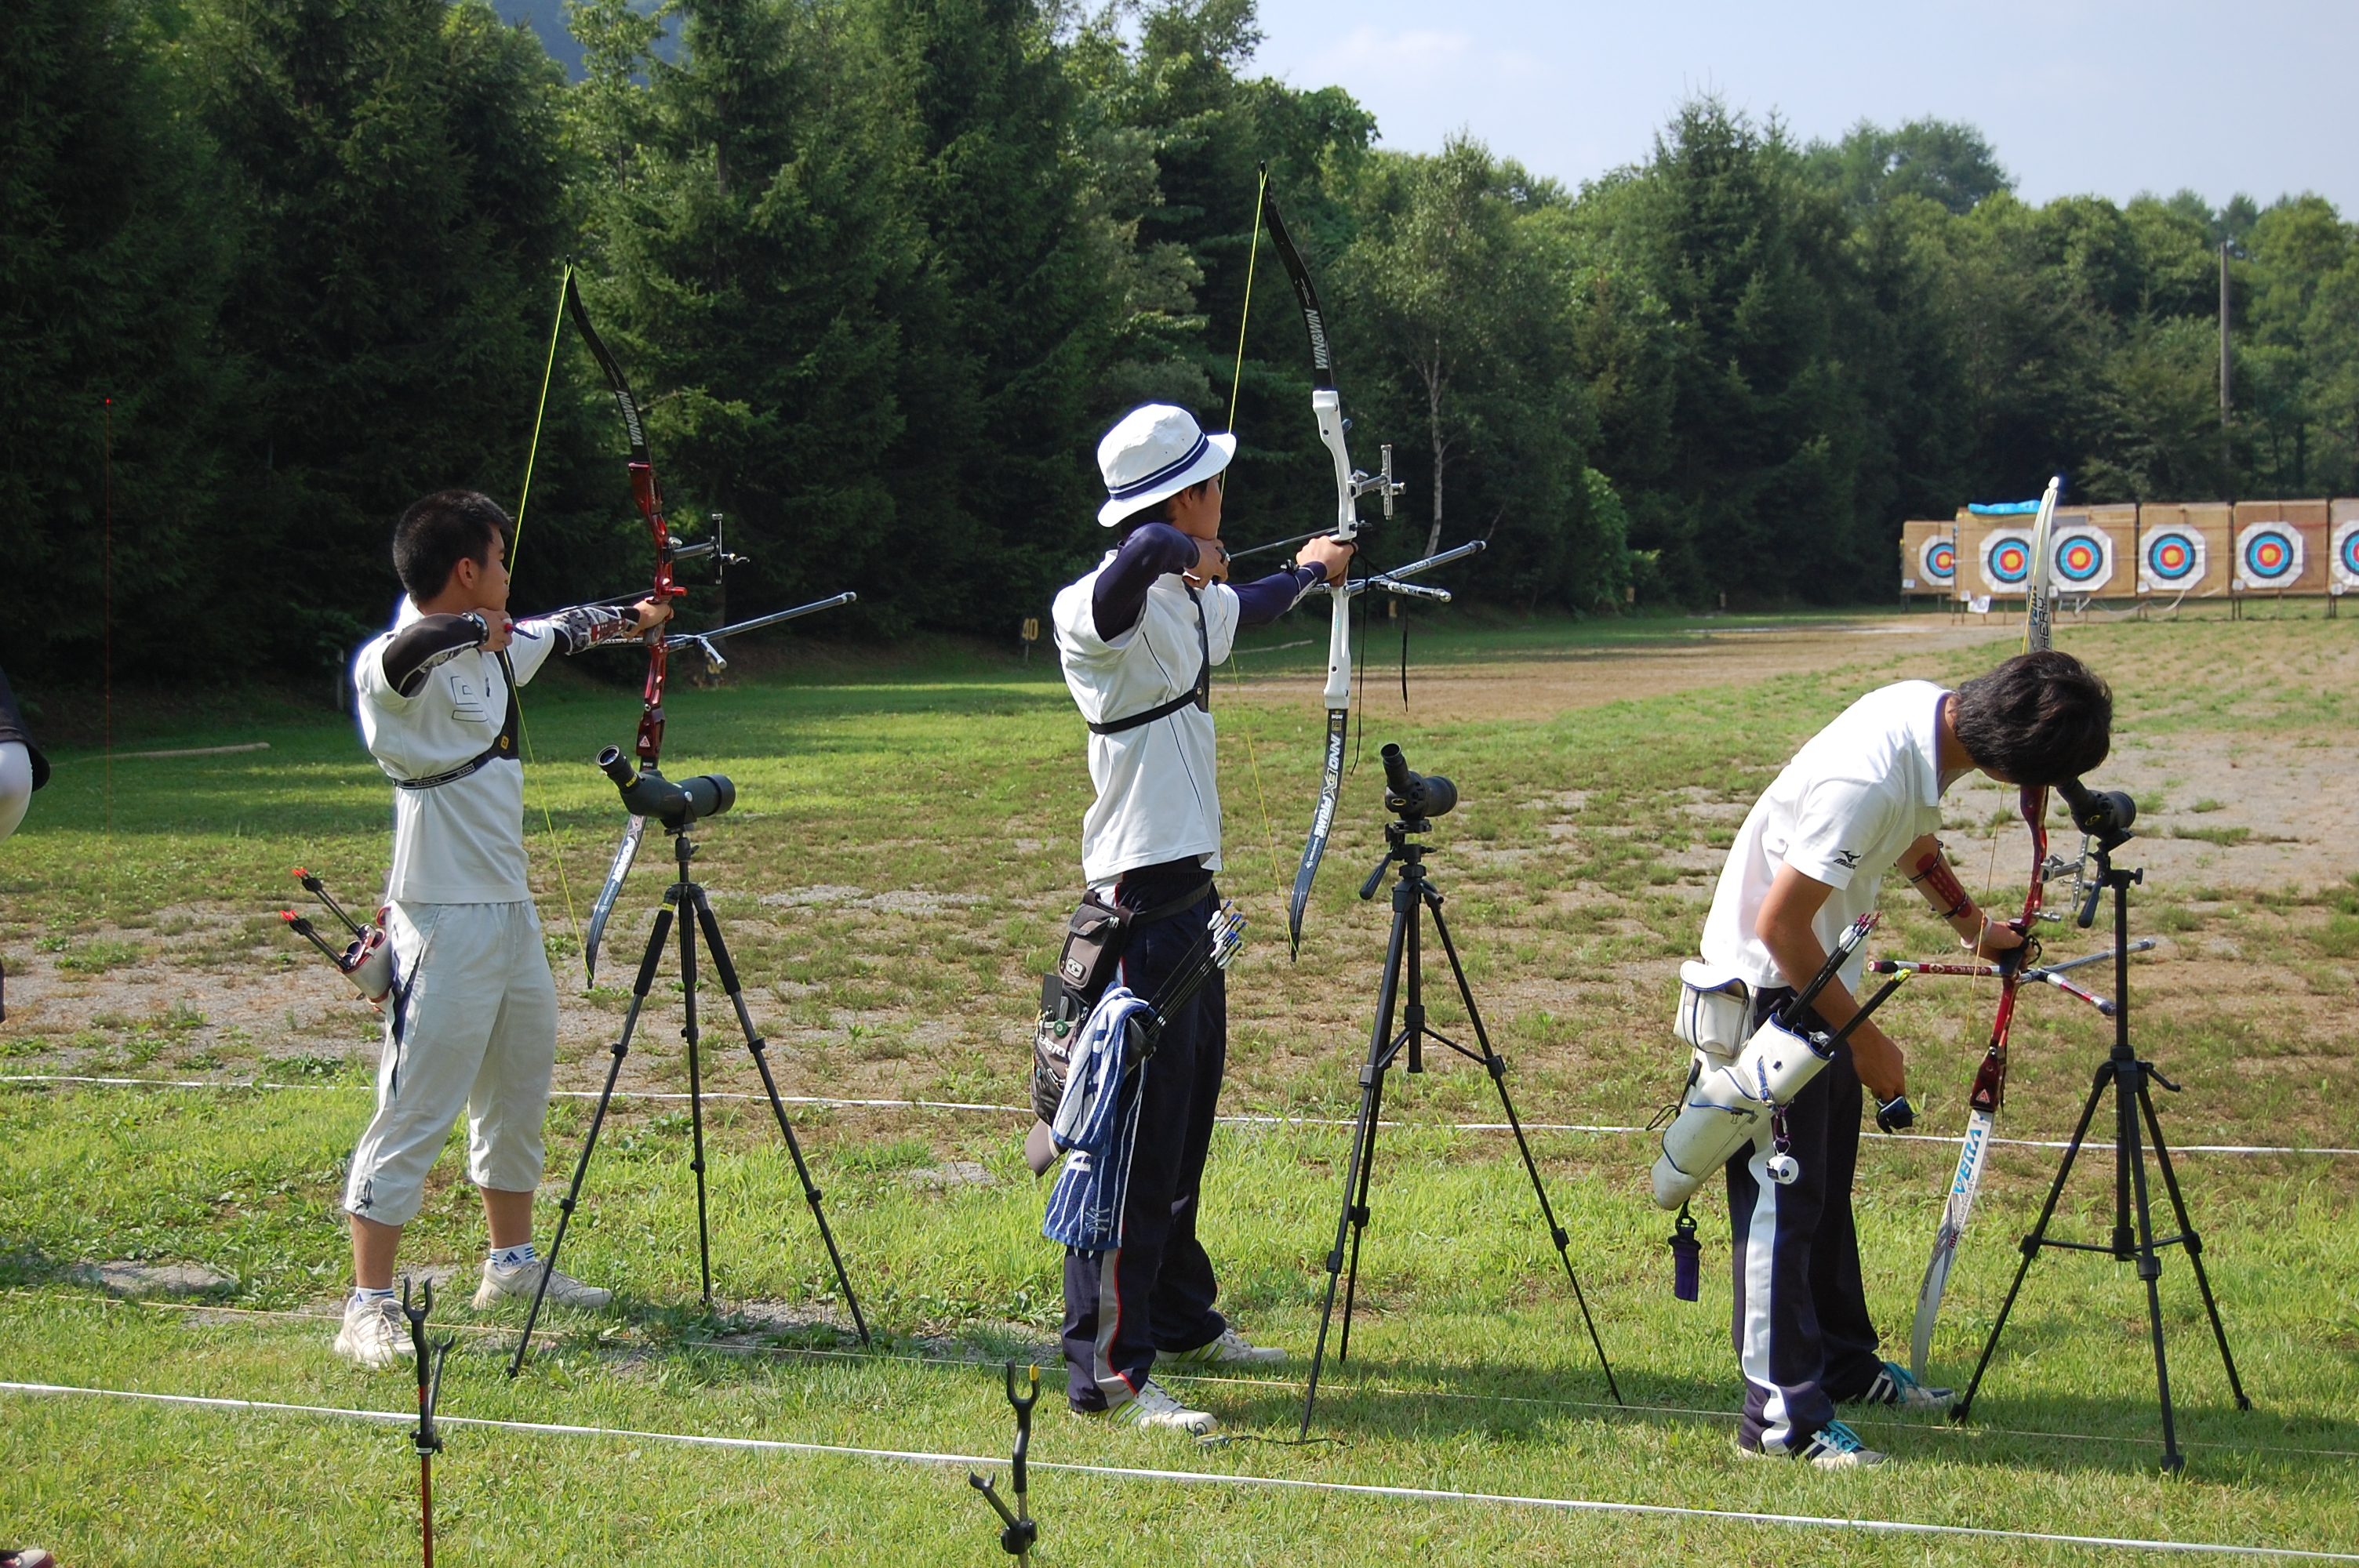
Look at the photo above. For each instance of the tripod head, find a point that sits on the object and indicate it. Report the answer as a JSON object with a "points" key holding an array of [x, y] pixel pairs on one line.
{"points": [[2104, 817]]}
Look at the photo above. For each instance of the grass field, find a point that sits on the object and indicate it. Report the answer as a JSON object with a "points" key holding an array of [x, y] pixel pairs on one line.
{"points": [[893, 882]]}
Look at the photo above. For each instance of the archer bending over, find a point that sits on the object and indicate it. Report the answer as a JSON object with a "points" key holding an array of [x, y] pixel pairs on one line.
{"points": [[1862, 795], [1138, 636], [472, 1023]]}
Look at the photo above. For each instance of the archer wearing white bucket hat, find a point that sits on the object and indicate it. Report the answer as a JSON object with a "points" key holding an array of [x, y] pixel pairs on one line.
{"points": [[1138, 636]]}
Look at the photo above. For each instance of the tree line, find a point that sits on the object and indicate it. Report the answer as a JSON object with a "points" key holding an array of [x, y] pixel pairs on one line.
{"points": [[882, 270]]}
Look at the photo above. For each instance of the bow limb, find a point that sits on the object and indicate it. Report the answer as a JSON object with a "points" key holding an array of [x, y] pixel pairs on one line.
{"points": [[648, 495]]}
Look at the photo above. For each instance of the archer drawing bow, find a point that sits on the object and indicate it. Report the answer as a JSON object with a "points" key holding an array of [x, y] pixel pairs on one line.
{"points": [[1327, 408], [1989, 1090]]}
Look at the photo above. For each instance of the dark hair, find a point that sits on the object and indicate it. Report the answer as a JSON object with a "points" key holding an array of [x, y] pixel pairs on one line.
{"points": [[441, 530], [2038, 718]]}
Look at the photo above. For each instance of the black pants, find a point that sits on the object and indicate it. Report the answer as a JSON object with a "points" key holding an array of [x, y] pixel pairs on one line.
{"points": [[1803, 1336], [1156, 1291]]}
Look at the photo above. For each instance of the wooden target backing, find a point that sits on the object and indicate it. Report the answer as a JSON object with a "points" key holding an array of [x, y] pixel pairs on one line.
{"points": [[2184, 547], [2282, 546], [1929, 558]]}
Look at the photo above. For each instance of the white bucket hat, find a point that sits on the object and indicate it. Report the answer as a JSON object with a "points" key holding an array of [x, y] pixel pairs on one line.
{"points": [[1156, 451]]}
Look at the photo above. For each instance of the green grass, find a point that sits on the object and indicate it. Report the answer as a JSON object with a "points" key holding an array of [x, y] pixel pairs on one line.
{"points": [[1575, 873]]}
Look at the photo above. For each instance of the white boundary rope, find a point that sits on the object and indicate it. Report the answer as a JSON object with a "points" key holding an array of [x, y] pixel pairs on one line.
{"points": [[834, 1103], [612, 1339], [1202, 1477]]}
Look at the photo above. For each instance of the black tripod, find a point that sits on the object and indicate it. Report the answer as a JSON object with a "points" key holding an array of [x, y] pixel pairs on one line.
{"points": [[683, 896], [2106, 819], [1404, 953]]}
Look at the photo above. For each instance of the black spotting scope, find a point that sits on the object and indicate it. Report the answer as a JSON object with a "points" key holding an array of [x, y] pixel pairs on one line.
{"points": [[2104, 815], [1409, 795], [649, 794]]}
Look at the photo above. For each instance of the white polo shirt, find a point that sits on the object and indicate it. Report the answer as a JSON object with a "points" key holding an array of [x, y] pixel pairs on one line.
{"points": [[462, 842], [1157, 792], [1862, 790]]}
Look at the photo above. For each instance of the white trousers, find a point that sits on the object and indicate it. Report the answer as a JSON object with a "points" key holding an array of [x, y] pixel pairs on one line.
{"points": [[472, 1027]]}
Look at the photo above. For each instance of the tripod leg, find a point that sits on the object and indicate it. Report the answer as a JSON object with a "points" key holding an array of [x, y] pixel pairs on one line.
{"points": [[758, 1047], [1371, 1077], [1496, 1065], [621, 1048], [687, 894], [2194, 1245], [2129, 1089], [1368, 1165], [2031, 1244]]}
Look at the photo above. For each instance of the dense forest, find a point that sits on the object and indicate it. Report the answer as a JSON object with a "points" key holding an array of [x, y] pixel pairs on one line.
{"points": [[882, 270]]}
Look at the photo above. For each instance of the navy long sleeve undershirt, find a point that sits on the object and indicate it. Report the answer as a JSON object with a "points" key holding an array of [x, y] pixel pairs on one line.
{"points": [[1158, 549]]}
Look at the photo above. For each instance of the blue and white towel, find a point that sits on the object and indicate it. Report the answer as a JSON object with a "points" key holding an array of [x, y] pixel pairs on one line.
{"points": [[1097, 1126]]}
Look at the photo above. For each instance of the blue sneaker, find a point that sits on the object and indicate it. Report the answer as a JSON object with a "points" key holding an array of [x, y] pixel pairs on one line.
{"points": [[1897, 1386]]}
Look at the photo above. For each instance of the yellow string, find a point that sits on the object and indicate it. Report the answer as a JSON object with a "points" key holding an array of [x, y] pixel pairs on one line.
{"points": [[1237, 671], [516, 542]]}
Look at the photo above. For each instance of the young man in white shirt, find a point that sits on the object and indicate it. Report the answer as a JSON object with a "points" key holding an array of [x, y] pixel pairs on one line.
{"points": [[1137, 637], [472, 1023], [1864, 794]]}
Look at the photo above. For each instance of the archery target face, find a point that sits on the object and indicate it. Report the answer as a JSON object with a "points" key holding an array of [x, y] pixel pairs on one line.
{"points": [[2085, 560], [1937, 560], [2268, 555], [2007, 561], [2173, 558], [2346, 552]]}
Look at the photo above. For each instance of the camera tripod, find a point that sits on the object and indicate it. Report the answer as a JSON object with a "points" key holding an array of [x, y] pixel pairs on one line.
{"points": [[1404, 955], [2105, 818], [685, 901]]}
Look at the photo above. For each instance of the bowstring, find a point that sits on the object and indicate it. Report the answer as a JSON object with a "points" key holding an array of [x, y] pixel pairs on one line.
{"points": [[1237, 671], [515, 544]]}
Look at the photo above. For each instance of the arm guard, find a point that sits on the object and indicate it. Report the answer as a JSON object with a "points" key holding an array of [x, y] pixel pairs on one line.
{"points": [[427, 643], [1940, 884], [587, 625]]}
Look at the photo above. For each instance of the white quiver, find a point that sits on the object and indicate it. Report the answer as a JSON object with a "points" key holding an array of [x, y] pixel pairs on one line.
{"points": [[1732, 1092]]}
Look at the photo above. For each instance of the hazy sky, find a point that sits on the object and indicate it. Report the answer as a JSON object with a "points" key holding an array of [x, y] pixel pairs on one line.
{"points": [[2078, 97]]}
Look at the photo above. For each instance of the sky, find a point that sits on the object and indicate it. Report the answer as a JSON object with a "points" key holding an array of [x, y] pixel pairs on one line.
{"points": [[2078, 98]]}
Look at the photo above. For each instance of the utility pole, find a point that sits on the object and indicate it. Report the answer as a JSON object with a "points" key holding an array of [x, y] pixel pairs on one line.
{"points": [[2227, 455]]}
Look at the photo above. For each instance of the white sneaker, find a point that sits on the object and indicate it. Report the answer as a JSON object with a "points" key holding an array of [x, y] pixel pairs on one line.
{"points": [[1833, 1446], [1152, 1407], [519, 1283], [374, 1335], [1231, 1349]]}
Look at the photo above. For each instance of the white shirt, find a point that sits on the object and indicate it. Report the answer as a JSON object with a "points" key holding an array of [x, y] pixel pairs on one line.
{"points": [[1159, 795], [462, 842], [1862, 790]]}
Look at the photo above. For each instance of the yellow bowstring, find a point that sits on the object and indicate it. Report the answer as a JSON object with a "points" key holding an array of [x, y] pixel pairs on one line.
{"points": [[516, 543], [1236, 671]]}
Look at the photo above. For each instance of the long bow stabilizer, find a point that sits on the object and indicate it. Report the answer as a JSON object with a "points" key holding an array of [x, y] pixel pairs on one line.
{"points": [[1990, 1078]]}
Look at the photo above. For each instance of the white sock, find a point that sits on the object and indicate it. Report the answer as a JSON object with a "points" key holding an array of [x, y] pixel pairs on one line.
{"points": [[513, 1257], [368, 1297]]}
